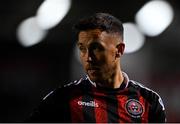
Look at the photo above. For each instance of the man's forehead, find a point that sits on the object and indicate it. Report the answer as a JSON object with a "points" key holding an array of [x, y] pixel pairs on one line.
{"points": [[94, 33], [97, 35]]}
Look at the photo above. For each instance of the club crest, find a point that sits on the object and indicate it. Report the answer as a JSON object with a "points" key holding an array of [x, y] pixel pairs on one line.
{"points": [[134, 108]]}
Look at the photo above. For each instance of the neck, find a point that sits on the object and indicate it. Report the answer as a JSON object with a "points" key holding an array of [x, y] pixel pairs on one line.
{"points": [[115, 80], [118, 79]]}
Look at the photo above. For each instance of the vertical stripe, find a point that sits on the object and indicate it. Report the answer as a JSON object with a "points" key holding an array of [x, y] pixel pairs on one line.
{"points": [[101, 108], [88, 109], [88, 104], [146, 109], [100, 111], [76, 110], [124, 117], [112, 108]]}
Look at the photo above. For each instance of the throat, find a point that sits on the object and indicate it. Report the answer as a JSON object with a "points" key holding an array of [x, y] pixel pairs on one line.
{"points": [[114, 82]]}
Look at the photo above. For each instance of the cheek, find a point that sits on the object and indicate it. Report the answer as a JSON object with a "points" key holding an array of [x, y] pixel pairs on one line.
{"points": [[112, 55], [101, 58], [83, 61], [107, 57], [109, 62]]}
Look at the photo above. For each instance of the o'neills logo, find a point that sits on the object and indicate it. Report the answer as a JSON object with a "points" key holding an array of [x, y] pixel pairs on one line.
{"points": [[90, 103]]}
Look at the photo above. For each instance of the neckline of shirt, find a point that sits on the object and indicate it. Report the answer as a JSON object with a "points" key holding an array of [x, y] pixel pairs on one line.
{"points": [[122, 86]]}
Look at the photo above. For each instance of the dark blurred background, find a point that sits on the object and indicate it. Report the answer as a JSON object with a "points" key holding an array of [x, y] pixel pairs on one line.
{"points": [[27, 74]]}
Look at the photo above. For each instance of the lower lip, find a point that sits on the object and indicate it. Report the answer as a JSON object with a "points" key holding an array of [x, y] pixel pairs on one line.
{"points": [[93, 71]]}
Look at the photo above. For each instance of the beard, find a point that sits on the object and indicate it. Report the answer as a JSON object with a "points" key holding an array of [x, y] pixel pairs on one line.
{"points": [[104, 75]]}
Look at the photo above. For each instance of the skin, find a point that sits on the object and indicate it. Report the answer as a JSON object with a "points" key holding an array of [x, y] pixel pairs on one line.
{"points": [[100, 54]]}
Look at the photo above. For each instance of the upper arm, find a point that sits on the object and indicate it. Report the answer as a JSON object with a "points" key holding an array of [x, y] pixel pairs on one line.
{"points": [[157, 113]]}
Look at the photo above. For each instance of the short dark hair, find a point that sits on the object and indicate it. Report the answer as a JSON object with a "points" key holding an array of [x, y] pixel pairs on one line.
{"points": [[102, 21]]}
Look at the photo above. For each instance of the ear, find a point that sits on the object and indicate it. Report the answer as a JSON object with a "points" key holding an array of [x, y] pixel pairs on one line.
{"points": [[120, 49]]}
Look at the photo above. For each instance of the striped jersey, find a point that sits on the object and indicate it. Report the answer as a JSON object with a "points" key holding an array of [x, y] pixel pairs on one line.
{"points": [[83, 102]]}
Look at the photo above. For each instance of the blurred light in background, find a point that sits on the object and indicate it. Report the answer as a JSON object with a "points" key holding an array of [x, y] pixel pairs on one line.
{"points": [[133, 38], [51, 12], [154, 17], [29, 33], [33, 30]]}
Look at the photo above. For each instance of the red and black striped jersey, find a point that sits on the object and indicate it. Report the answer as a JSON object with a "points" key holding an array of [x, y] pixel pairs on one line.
{"points": [[83, 101]]}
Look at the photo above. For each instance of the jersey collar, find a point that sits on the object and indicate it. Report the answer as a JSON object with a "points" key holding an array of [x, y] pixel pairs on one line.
{"points": [[123, 85]]}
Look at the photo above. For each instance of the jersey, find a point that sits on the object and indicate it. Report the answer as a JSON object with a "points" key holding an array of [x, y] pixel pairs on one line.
{"points": [[82, 101]]}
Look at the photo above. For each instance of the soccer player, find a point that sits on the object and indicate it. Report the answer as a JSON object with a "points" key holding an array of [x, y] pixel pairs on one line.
{"points": [[105, 94]]}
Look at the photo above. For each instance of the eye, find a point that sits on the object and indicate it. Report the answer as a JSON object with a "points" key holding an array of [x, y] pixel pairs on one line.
{"points": [[82, 48]]}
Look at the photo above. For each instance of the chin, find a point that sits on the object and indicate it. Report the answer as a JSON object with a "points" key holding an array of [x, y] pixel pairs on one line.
{"points": [[93, 78]]}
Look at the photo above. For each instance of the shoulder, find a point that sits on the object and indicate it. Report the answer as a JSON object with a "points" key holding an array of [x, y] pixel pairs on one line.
{"points": [[63, 89], [73, 84], [156, 106], [150, 95]]}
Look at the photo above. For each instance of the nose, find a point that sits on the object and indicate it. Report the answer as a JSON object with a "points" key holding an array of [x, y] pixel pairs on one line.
{"points": [[89, 56]]}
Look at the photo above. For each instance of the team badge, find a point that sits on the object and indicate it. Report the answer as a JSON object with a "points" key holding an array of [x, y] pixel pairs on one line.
{"points": [[134, 108]]}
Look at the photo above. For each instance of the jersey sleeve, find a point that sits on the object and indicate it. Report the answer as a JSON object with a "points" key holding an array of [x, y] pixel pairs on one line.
{"points": [[157, 113], [42, 112]]}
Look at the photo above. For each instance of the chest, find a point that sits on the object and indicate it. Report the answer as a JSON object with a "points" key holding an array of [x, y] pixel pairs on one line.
{"points": [[108, 108]]}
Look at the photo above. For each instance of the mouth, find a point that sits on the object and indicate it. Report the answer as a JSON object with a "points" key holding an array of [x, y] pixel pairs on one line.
{"points": [[93, 70]]}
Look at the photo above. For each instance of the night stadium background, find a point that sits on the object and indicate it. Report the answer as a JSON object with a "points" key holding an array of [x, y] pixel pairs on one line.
{"points": [[28, 73]]}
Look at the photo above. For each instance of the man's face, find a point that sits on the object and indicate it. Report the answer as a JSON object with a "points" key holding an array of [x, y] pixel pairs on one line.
{"points": [[99, 53]]}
